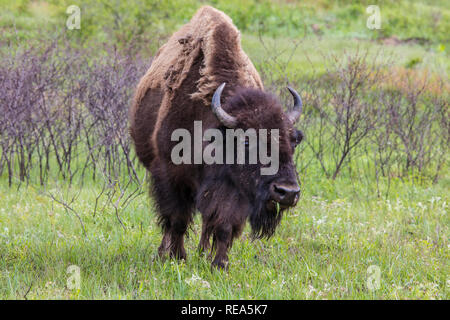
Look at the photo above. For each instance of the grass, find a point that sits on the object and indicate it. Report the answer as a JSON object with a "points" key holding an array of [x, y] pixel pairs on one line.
{"points": [[306, 56], [322, 249], [405, 19]]}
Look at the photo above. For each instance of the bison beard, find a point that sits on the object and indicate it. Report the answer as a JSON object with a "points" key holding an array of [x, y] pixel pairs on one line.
{"points": [[184, 84], [265, 216]]}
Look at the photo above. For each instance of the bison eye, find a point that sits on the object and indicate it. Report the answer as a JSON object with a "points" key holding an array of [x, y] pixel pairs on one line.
{"points": [[298, 137]]}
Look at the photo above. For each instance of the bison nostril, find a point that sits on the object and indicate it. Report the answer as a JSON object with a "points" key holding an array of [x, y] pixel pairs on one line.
{"points": [[280, 191], [285, 193]]}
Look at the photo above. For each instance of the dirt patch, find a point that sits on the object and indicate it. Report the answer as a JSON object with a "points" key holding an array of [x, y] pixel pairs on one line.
{"points": [[394, 41]]}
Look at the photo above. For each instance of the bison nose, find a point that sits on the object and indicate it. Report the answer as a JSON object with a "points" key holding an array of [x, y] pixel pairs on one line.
{"points": [[286, 195]]}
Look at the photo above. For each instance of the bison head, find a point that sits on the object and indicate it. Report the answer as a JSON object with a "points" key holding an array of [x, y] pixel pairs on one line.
{"points": [[266, 196]]}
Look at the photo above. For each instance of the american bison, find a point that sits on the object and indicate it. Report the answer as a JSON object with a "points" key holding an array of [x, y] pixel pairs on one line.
{"points": [[185, 84]]}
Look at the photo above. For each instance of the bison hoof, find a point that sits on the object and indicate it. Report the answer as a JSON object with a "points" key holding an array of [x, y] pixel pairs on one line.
{"points": [[178, 256], [220, 265], [162, 253]]}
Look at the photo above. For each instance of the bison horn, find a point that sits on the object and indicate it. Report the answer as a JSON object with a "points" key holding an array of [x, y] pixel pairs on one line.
{"points": [[296, 111], [226, 119]]}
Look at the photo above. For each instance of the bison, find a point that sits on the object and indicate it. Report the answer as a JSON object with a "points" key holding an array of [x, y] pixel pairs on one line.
{"points": [[184, 84]]}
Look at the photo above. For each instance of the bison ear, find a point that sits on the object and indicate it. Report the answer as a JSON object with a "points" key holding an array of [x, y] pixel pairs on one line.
{"points": [[296, 111], [227, 120]]}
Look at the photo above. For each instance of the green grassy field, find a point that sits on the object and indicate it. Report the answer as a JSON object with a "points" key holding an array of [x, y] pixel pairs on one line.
{"points": [[322, 249], [329, 247]]}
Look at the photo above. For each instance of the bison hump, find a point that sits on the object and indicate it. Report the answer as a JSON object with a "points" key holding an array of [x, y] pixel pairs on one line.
{"points": [[209, 33]]}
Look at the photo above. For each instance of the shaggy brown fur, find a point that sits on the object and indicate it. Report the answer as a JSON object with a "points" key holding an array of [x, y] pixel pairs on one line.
{"points": [[209, 36], [175, 92]]}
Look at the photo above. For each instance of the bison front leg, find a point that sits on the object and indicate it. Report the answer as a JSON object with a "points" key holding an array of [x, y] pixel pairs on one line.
{"points": [[223, 237], [173, 239], [224, 222], [177, 234], [204, 245], [165, 244]]}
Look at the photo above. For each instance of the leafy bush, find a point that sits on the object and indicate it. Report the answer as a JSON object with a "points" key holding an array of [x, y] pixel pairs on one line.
{"points": [[65, 113]]}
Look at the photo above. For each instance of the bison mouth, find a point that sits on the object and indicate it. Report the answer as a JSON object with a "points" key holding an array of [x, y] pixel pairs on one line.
{"points": [[275, 207]]}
